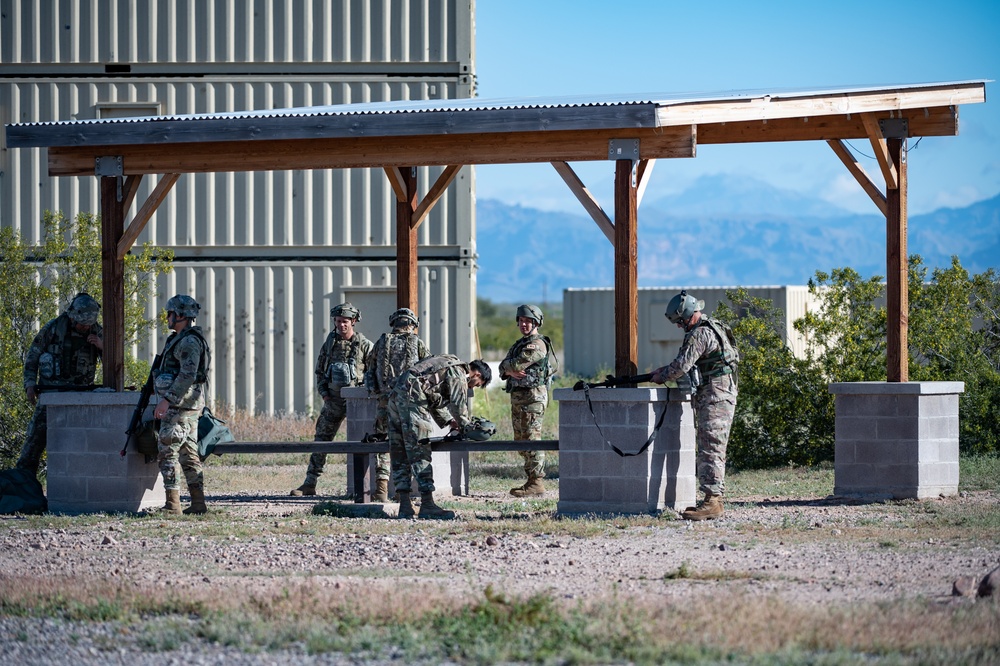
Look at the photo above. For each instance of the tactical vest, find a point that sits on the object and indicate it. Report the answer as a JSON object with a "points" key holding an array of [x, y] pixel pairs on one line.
{"points": [[74, 359], [398, 352], [172, 366], [343, 369], [432, 365], [724, 360], [537, 374]]}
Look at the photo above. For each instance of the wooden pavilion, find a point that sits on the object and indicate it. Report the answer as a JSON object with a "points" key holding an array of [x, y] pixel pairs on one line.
{"points": [[631, 131]]}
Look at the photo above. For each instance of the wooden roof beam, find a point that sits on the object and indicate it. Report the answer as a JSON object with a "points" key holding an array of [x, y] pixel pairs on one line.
{"points": [[860, 175], [881, 151], [145, 212], [583, 195], [434, 194]]}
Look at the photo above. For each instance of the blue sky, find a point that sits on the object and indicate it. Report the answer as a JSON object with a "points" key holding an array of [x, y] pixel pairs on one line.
{"points": [[572, 47]]}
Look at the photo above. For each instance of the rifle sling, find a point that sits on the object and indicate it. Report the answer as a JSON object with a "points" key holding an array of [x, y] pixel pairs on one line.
{"points": [[652, 436]]}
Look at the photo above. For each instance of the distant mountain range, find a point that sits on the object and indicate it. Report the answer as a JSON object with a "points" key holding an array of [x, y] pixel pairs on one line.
{"points": [[720, 232]]}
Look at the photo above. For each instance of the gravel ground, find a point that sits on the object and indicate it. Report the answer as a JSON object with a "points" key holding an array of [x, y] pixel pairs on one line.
{"points": [[806, 550]]}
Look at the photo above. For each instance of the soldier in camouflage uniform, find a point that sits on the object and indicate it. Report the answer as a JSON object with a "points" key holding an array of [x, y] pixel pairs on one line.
{"points": [[64, 353], [709, 346], [341, 363], [434, 390], [180, 384], [392, 354], [528, 367]]}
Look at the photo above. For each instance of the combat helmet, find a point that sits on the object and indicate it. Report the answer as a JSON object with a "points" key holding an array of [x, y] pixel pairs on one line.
{"points": [[347, 311], [83, 309], [403, 317], [531, 312], [183, 305], [682, 307]]}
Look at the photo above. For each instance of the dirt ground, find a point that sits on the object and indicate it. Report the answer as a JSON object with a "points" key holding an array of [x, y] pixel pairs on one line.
{"points": [[811, 550]]}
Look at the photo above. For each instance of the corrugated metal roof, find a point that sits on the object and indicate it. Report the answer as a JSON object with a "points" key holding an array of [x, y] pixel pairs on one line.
{"points": [[480, 116], [515, 103]]}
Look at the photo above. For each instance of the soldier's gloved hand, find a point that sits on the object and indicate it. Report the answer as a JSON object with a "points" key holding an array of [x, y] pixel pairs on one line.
{"points": [[656, 378], [31, 394]]}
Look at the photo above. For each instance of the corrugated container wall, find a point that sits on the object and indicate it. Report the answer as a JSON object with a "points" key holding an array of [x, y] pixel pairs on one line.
{"points": [[266, 253], [590, 337]]}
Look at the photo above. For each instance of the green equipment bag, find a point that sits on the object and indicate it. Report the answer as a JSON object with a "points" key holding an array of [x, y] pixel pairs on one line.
{"points": [[211, 431], [20, 492]]}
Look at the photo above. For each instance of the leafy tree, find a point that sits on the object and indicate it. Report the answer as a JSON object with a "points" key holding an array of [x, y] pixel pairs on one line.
{"points": [[785, 413], [497, 329], [39, 281]]}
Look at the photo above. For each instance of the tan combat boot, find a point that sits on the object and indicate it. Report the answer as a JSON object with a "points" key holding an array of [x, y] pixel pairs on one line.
{"points": [[709, 509], [173, 504], [381, 494], [405, 506], [533, 488], [304, 489], [430, 509], [197, 501]]}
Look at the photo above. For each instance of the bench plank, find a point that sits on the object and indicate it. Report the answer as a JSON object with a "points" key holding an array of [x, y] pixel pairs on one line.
{"points": [[382, 447]]}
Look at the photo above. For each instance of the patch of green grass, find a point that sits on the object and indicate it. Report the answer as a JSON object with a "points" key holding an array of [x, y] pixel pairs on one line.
{"points": [[814, 481], [979, 473]]}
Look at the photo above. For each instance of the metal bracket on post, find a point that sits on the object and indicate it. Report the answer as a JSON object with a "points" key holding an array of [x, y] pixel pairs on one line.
{"points": [[894, 128], [625, 149], [111, 165]]}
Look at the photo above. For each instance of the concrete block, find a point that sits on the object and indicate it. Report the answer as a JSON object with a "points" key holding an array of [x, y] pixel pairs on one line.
{"points": [[854, 428], [860, 406], [858, 475], [99, 465], [898, 476], [628, 491], [897, 428], [939, 427], [883, 452], [581, 489], [845, 451], [938, 474], [66, 489], [569, 463], [581, 438]]}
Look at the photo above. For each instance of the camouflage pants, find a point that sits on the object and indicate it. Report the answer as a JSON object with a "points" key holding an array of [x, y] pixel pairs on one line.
{"points": [[34, 440], [713, 419], [381, 428], [527, 409], [409, 422], [330, 419], [178, 443]]}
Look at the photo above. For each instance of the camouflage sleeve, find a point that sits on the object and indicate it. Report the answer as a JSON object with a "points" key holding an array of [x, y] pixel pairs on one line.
{"points": [[422, 350], [31, 358], [456, 394], [694, 347], [188, 354], [366, 359], [322, 362], [371, 362], [530, 353]]}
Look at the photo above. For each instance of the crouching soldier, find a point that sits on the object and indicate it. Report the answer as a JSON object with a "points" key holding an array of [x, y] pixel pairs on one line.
{"points": [[434, 390], [392, 354], [180, 385]]}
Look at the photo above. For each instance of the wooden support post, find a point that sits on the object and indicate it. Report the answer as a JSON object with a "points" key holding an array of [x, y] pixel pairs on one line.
{"points": [[113, 284], [406, 243], [897, 269], [626, 271]]}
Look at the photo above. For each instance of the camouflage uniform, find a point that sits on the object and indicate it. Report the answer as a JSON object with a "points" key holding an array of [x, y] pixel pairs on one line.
{"points": [[433, 390], [59, 356], [340, 363], [714, 402], [392, 354], [528, 396], [180, 381]]}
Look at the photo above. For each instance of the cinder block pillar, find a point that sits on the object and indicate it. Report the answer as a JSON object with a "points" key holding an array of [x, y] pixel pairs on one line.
{"points": [[896, 439], [86, 473], [595, 479], [451, 469]]}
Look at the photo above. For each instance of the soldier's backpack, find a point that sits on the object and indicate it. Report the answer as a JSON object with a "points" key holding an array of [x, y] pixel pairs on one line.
{"points": [[20, 492], [211, 431]]}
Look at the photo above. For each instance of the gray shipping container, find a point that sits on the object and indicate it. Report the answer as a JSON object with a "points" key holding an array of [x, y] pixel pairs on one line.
{"points": [[266, 253], [588, 323]]}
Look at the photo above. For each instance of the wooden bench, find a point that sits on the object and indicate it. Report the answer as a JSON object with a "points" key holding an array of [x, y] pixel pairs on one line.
{"points": [[362, 450]]}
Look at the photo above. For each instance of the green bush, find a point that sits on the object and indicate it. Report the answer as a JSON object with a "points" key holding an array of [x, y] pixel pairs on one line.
{"points": [[38, 281]]}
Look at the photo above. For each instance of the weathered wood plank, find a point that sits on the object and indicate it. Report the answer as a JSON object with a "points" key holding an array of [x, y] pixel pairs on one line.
{"points": [[626, 269], [112, 284], [382, 447], [859, 173], [406, 243], [149, 207], [437, 150], [434, 194], [583, 195], [881, 151], [897, 271]]}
